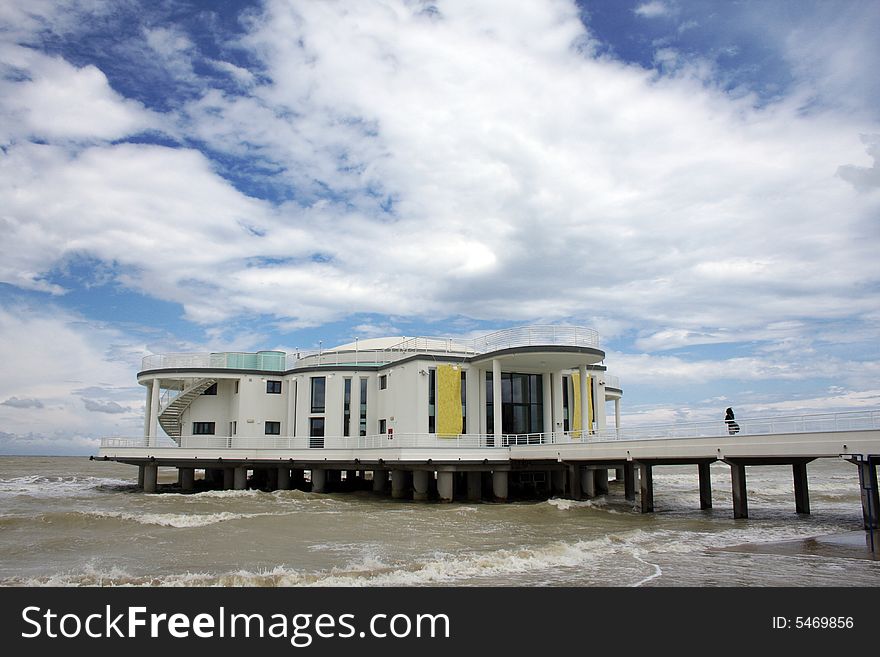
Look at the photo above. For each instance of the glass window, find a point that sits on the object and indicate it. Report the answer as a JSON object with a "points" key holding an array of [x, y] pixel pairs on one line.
{"points": [[318, 393], [432, 401], [273, 428], [363, 417], [273, 387], [211, 390], [382, 426], [383, 382], [203, 429], [236, 387], [316, 432], [463, 402], [346, 409]]}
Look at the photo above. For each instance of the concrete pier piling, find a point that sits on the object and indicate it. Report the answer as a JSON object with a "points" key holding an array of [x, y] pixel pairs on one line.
{"points": [[869, 492], [141, 476], [421, 484], [629, 481], [399, 485], [738, 485], [283, 478], [380, 480], [186, 477], [588, 482], [499, 485], [319, 480], [646, 487], [228, 478], [620, 474], [151, 475], [705, 485], [601, 477], [801, 488], [239, 480], [474, 486], [445, 486]]}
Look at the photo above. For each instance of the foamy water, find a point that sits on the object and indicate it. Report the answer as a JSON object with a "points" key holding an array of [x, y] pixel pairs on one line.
{"points": [[72, 522]]}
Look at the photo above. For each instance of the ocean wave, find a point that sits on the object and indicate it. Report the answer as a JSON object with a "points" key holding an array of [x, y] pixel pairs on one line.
{"points": [[178, 520], [62, 486]]}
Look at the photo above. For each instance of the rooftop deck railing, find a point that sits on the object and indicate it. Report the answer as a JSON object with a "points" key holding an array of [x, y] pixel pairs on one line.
{"points": [[814, 423], [276, 361]]}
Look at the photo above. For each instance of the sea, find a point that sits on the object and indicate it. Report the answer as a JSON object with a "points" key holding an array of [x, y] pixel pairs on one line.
{"points": [[69, 521]]}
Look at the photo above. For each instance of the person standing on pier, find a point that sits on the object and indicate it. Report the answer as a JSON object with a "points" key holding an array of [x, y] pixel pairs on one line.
{"points": [[732, 426]]}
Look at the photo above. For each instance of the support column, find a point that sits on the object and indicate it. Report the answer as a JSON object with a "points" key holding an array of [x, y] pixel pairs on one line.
{"points": [[870, 497], [801, 488], [588, 482], [558, 420], [705, 486], [557, 482], [151, 475], [228, 478], [474, 486], [499, 485], [496, 400], [271, 479], [141, 477], [574, 482], [547, 387], [629, 480], [319, 480], [297, 479], [283, 478], [617, 414], [239, 481], [585, 402], [618, 474], [646, 487], [186, 477], [399, 489], [148, 405], [420, 485], [445, 487], [153, 439], [738, 483], [380, 479], [601, 476]]}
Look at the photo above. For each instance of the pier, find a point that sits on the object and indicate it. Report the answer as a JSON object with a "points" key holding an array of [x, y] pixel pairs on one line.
{"points": [[498, 468]]}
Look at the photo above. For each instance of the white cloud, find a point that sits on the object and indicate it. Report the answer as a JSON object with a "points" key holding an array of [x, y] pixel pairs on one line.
{"points": [[652, 9]]}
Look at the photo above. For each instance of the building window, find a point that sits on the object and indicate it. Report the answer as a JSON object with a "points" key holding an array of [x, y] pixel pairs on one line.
{"points": [[236, 387], [319, 384], [211, 389], [203, 429], [316, 432], [565, 423], [273, 428], [382, 427], [273, 387], [362, 428], [383, 382], [346, 408], [432, 401], [463, 402], [522, 403]]}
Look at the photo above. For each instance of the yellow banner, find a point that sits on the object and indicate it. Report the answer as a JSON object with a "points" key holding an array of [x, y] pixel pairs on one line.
{"points": [[448, 401], [576, 427]]}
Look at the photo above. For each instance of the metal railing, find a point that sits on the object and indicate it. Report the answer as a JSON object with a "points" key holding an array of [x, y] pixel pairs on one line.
{"points": [[277, 361], [813, 423]]}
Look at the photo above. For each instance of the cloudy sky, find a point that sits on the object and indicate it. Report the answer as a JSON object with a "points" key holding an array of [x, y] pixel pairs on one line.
{"points": [[696, 180]]}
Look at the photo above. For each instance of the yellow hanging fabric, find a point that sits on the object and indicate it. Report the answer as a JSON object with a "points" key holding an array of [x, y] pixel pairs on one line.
{"points": [[448, 401], [576, 405]]}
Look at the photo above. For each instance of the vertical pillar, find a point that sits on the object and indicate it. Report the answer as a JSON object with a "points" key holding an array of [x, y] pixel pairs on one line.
{"points": [[283, 478], [705, 486], [239, 481], [619, 474], [399, 489], [646, 487], [297, 479], [574, 482], [151, 475], [319, 480], [481, 382], [557, 482], [617, 414], [474, 486], [153, 439], [496, 400], [585, 402], [271, 479], [870, 497], [629, 481], [558, 420], [420, 484], [547, 385], [186, 477], [445, 487], [738, 483], [291, 407], [801, 489], [148, 405], [141, 477], [228, 478], [588, 482], [354, 410], [601, 477], [380, 478], [499, 485]]}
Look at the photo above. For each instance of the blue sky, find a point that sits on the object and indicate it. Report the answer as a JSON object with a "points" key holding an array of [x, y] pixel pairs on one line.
{"points": [[696, 180]]}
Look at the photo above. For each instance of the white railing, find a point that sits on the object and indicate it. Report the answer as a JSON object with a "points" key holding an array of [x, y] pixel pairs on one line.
{"points": [[274, 361], [814, 423]]}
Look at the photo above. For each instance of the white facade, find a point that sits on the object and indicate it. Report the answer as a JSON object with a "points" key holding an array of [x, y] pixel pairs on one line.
{"points": [[545, 372]]}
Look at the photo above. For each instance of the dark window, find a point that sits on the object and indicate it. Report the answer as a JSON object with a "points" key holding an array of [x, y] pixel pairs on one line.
{"points": [[316, 432], [522, 403], [346, 409], [203, 429], [383, 382], [363, 419], [273, 428], [432, 401], [273, 387], [463, 402], [565, 423], [211, 389], [318, 387], [382, 426], [236, 387]]}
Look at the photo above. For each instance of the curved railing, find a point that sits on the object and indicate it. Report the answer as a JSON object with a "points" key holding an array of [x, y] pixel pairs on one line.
{"points": [[269, 361]]}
